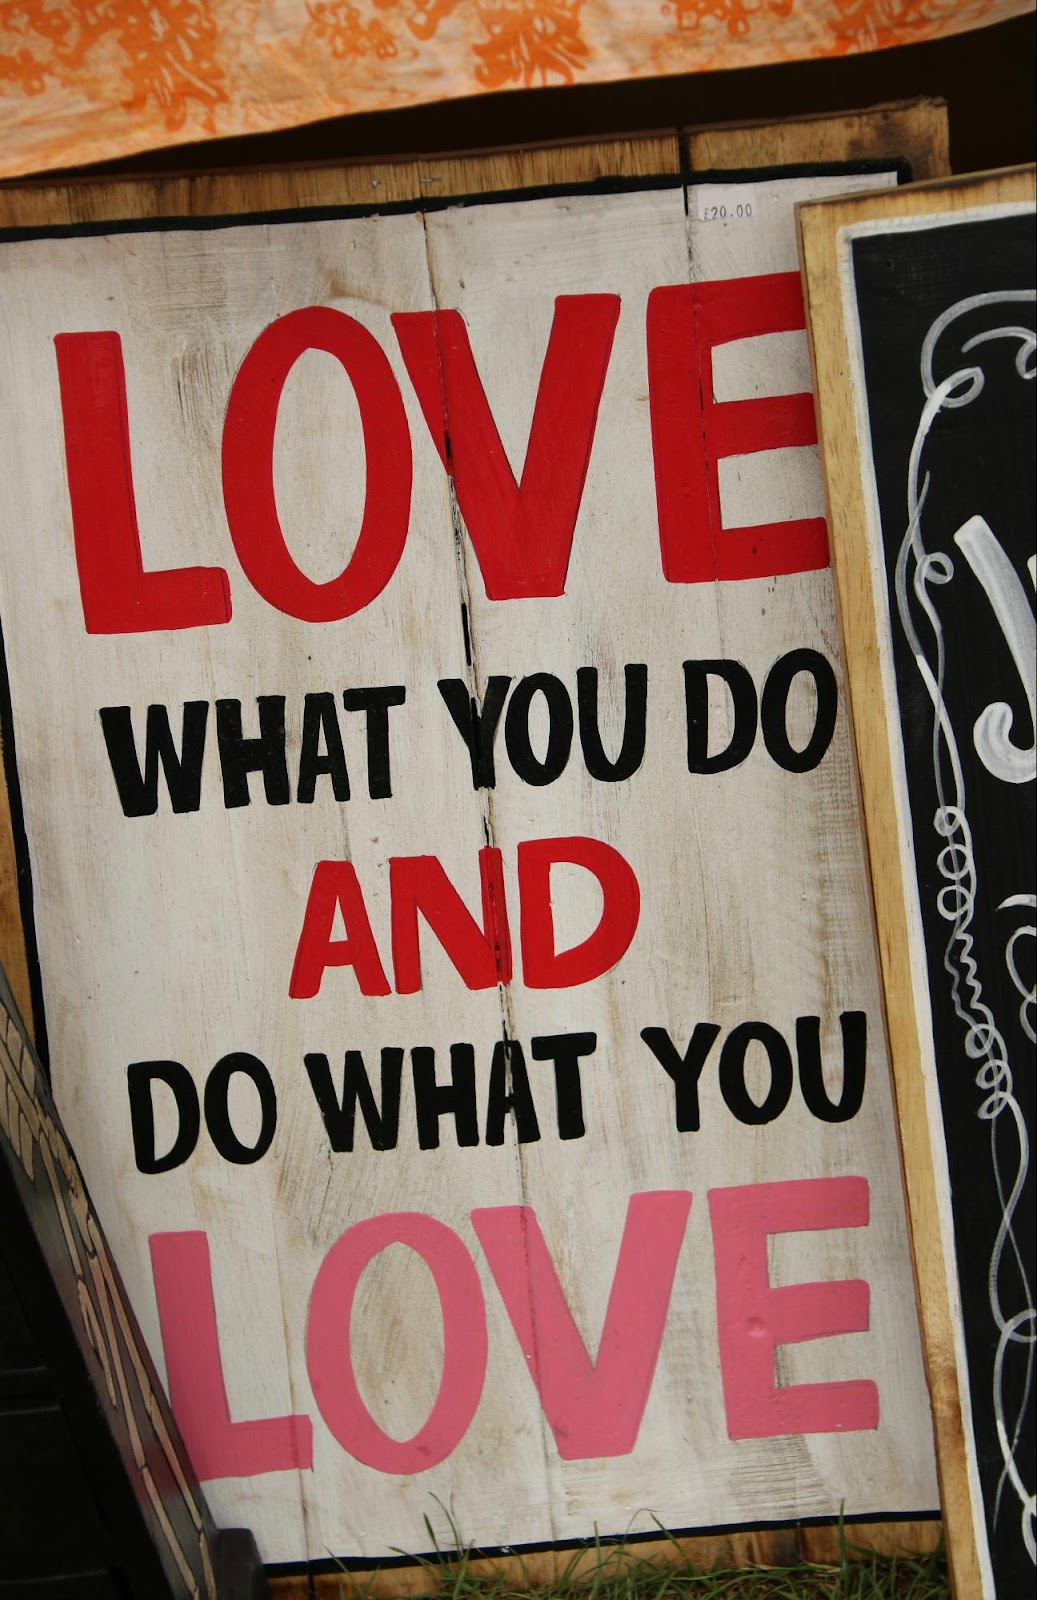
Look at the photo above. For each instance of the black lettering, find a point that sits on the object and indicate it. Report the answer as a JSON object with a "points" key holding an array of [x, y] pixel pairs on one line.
{"points": [[854, 1027], [375, 703], [320, 717], [217, 1113], [565, 1050], [685, 1070], [433, 1100], [266, 754], [140, 1075], [742, 690], [635, 719], [774, 709], [732, 1073], [559, 729], [339, 1111], [477, 727], [138, 792], [510, 1091]]}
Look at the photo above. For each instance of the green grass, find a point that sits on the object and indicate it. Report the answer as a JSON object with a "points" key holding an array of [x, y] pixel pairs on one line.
{"points": [[874, 1578], [617, 1572]]}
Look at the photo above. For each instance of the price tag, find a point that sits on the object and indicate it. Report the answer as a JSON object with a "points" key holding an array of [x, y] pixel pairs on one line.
{"points": [[726, 202]]}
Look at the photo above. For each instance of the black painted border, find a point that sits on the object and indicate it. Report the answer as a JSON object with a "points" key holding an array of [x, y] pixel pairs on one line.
{"points": [[718, 1530], [684, 180]]}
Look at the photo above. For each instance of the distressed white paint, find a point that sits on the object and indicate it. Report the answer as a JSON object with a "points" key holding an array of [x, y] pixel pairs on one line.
{"points": [[173, 936]]}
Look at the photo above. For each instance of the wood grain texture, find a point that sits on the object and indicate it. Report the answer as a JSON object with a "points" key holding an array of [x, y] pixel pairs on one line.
{"points": [[917, 130], [12, 933], [27, 205], [845, 473], [863, 136], [336, 184]]}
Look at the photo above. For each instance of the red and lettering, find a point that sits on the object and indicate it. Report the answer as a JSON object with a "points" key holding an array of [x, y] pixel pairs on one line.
{"points": [[248, 466], [482, 956], [521, 529], [691, 431], [522, 532], [335, 891], [118, 595]]}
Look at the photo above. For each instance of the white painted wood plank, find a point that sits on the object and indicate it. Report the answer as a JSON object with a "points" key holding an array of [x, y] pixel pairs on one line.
{"points": [[173, 936]]}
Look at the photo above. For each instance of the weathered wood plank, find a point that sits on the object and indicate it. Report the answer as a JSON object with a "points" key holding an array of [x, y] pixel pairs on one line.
{"points": [[613, 615], [916, 130], [336, 183]]}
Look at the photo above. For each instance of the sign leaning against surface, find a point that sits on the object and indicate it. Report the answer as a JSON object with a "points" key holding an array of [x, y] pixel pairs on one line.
{"points": [[935, 557], [429, 727]]}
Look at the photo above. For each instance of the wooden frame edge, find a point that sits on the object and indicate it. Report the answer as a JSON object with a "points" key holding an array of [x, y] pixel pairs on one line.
{"points": [[819, 225]]}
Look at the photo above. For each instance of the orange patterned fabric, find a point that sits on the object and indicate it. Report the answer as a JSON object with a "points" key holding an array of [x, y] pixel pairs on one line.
{"points": [[86, 80]]}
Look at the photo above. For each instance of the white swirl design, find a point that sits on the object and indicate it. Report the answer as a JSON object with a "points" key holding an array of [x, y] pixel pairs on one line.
{"points": [[919, 573], [1028, 1009]]}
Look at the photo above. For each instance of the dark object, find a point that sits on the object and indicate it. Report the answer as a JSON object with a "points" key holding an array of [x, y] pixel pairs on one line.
{"points": [[97, 1497], [985, 75], [947, 335]]}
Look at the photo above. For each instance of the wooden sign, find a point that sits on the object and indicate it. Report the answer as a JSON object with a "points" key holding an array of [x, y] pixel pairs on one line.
{"points": [[922, 315], [99, 1498], [448, 884]]}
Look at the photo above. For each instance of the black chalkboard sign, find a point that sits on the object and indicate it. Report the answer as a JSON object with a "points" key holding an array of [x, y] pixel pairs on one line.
{"points": [[940, 336], [952, 308]]}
